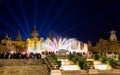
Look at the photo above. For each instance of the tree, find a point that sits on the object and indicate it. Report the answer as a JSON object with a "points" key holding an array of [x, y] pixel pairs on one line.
{"points": [[102, 45]]}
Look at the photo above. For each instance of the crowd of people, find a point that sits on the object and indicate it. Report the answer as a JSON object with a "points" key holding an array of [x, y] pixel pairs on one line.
{"points": [[8, 55], [20, 55]]}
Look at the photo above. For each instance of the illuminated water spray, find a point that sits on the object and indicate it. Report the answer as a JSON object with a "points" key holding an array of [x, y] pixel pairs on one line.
{"points": [[55, 44]]}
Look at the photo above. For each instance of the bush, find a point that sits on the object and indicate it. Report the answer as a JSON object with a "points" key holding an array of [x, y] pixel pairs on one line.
{"points": [[102, 60], [110, 62], [70, 57], [74, 59], [81, 63], [95, 56], [117, 57], [54, 57], [59, 63], [77, 62]]}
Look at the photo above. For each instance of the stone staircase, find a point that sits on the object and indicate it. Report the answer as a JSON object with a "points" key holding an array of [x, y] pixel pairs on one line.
{"points": [[88, 65], [22, 67], [117, 64]]}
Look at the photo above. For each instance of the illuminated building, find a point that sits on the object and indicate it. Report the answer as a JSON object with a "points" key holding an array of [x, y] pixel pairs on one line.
{"points": [[113, 36], [34, 43], [13, 45], [18, 42], [5, 41]]}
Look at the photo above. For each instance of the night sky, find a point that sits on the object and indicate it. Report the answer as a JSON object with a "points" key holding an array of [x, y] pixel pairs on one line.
{"points": [[82, 19]]}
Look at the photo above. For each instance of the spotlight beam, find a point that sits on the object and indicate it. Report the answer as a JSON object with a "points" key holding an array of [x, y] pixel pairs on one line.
{"points": [[55, 17], [71, 15], [35, 12], [99, 15], [7, 25], [15, 18], [46, 16], [24, 17]]}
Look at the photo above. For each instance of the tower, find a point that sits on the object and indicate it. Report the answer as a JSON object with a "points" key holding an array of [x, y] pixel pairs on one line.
{"points": [[6, 37], [50, 36], [5, 40], [113, 36], [18, 38], [35, 33]]}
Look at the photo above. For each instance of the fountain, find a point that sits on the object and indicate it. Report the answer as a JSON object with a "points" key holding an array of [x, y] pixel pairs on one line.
{"points": [[72, 45], [56, 44]]}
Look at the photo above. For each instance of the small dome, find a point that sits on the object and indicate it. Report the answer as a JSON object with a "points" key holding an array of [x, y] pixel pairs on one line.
{"points": [[35, 30]]}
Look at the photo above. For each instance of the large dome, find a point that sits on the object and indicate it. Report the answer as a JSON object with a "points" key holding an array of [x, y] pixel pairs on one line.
{"points": [[35, 32]]}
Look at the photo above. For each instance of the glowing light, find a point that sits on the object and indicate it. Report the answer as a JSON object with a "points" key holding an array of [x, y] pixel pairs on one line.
{"points": [[103, 67], [56, 44], [98, 65], [33, 46], [11, 52], [70, 67]]}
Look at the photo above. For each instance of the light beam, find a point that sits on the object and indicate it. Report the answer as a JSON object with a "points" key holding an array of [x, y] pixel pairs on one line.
{"points": [[47, 13], [35, 12], [71, 15], [54, 18], [15, 18], [24, 16]]}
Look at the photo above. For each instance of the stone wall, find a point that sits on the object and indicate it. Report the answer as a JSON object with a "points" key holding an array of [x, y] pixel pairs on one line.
{"points": [[22, 67], [20, 62], [23, 70]]}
